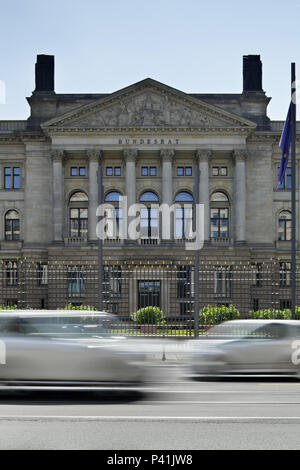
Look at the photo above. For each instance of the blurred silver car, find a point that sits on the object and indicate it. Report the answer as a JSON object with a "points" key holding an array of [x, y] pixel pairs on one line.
{"points": [[65, 348], [248, 347]]}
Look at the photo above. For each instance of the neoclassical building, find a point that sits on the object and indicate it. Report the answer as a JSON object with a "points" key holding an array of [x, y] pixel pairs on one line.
{"points": [[149, 139]]}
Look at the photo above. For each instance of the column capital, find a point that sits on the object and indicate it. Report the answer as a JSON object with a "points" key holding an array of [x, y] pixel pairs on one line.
{"points": [[130, 155], [203, 155], [240, 155], [58, 155], [94, 155], [167, 155]]}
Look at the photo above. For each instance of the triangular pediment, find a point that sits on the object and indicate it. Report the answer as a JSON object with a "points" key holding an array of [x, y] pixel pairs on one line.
{"points": [[148, 104]]}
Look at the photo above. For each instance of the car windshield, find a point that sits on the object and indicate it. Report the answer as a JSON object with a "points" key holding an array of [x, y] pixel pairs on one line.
{"points": [[247, 330], [57, 326]]}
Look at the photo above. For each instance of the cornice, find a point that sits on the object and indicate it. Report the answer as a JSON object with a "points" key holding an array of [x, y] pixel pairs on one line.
{"points": [[147, 130]]}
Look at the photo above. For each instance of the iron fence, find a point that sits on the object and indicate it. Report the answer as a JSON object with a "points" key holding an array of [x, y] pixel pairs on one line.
{"points": [[226, 290]]}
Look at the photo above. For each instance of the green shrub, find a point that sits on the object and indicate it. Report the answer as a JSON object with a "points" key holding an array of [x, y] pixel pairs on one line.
{"points": [[274, 314], [211, 315], [8, 307], [148, 315], [78, 307]]}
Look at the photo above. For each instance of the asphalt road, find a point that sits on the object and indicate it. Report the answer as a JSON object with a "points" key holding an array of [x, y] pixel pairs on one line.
{"points": [[176, 413]]}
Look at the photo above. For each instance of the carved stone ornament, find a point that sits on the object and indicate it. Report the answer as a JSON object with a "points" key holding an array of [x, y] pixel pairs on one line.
{"points": [[203, 155], [167, 155], [58, 155], [130, 155], [240, 155], [94, 155], [151, 108]]}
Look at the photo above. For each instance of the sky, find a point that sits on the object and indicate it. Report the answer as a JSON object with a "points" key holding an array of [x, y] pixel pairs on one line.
{"points": [[101, 46]]}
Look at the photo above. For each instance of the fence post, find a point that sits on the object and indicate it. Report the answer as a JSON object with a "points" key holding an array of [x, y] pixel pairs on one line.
{"points": [[100, 254], [196, 255]]}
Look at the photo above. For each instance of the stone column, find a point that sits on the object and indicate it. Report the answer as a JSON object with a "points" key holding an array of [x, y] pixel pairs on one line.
{"points": [[203, 157], [130, 156], [94, 158], [58, 194], [167, 157], [240, 196]]}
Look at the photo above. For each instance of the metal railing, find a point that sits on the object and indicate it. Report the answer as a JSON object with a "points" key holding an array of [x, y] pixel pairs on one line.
{"points": [[227, 290], [9, 126]]}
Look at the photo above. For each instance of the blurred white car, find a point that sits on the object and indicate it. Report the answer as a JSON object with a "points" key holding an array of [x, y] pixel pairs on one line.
{"points": [[248, 347], [65, 348]]}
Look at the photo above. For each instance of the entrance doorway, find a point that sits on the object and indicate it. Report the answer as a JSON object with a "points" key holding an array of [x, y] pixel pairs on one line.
{"points": [[148, 293]]}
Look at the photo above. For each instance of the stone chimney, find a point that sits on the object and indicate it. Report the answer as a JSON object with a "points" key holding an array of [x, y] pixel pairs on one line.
{"points": [[252, 74], [44, 74]]}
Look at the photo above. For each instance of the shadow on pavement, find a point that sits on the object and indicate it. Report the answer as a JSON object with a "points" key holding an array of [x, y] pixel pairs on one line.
{"points": [[246, 378], [48, 397]]}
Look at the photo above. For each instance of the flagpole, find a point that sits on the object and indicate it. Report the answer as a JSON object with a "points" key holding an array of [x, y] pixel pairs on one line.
{"points": [[293, 195]]}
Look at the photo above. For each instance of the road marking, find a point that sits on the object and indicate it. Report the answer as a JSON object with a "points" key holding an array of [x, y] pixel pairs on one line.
{"points": [[169, 419], [212, 402]]}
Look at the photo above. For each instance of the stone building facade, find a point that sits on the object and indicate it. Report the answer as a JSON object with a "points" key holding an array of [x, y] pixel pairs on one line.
{"points": [[149, 139]]}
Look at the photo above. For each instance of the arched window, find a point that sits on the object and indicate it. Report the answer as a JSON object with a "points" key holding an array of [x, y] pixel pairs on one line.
{"points": [[149, 196], [284, 226], [12, 225], [219, 215], [113, 196], [78, 207], [79, 196], [184, 196], [114, 214], [149, 215], [184, 215]]}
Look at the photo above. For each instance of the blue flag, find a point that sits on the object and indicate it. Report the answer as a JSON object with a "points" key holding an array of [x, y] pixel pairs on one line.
{"points": [[284, 144]]}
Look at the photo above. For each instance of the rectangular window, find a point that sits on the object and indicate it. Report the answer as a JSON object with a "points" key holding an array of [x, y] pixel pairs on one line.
{"points": [[12, 227], [109, 171], [152, 170], [12, 273], [223, 171], [117, 171], [112, 280], [287, 180], [219, 226], [82, 171], [223, 280], [75, 282], [42, 274], [144, 171], [188, 171], [215, 171], [12, 178], [180, 171], [257, 274], [16, 178], [149, 222], [73, 171], [7, 178], [185, 282], [284, 274]]}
